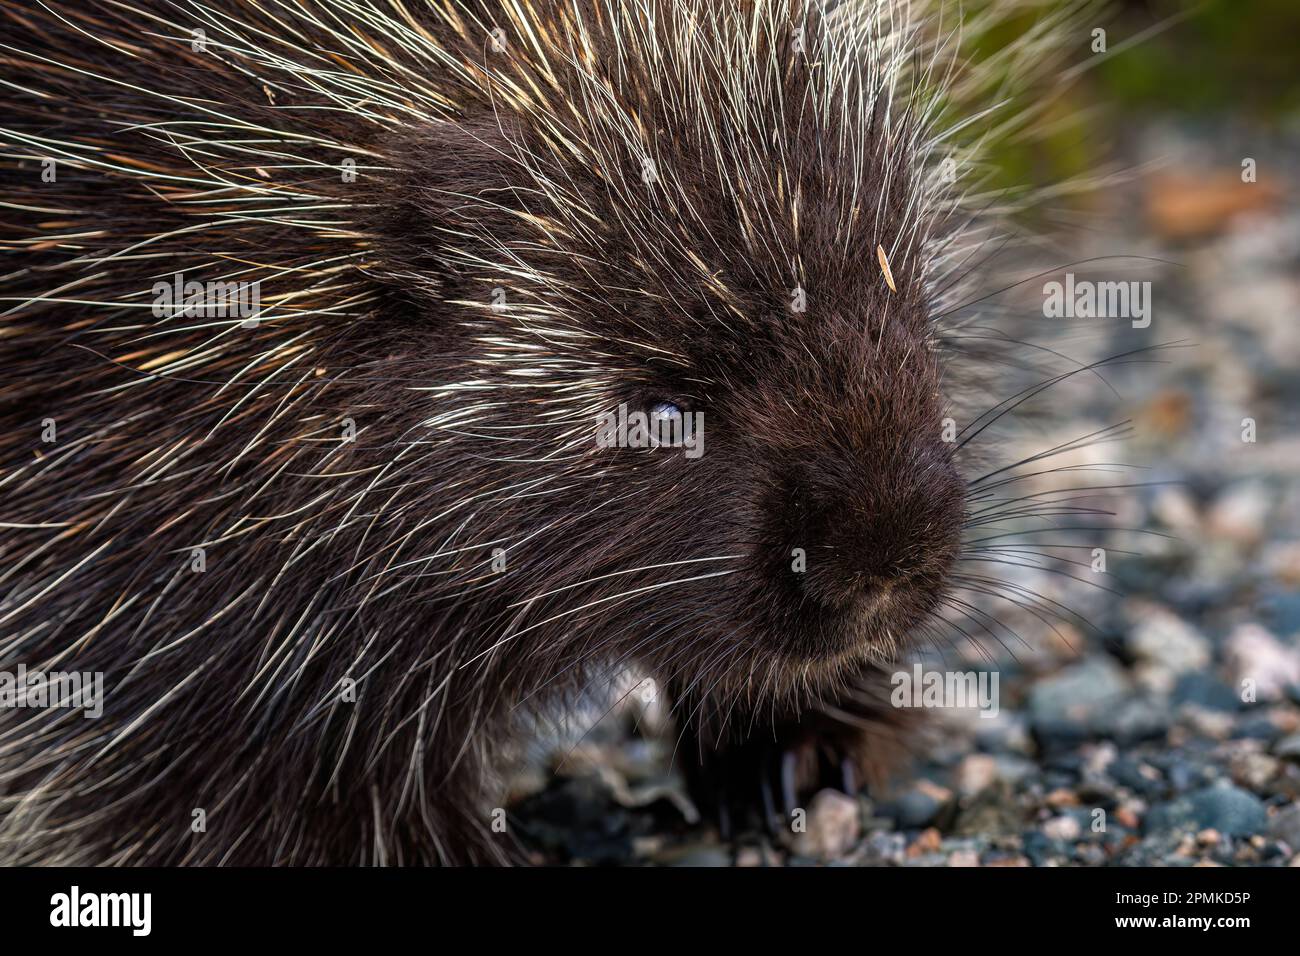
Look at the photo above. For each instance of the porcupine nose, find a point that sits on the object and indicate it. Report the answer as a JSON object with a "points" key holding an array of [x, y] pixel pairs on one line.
{"points": [[877, 530]]}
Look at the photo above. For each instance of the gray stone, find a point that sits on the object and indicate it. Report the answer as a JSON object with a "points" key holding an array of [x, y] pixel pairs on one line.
{"points": [[1285, 826], [1288, 747], [1071, 705], [1230, 810]]}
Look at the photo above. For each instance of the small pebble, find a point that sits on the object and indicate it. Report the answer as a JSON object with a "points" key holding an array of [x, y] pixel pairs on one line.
{"points": [[1164, 645], [1285, 826], [833, 825], [975, 773], [1240, 512], [964, 858], [1256, 655], [927, 841], [1061, 797], [1126, 817], [1063, 828]]}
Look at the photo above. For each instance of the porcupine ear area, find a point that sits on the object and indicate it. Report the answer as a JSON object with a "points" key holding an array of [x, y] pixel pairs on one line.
{"points": [[448, 185]]}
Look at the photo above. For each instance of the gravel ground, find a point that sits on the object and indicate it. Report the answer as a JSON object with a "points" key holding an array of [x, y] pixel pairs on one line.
{"points": [[1124, 743]]}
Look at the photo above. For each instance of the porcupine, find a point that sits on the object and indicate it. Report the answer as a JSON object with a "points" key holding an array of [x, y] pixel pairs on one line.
{"points": [[474, 229]]}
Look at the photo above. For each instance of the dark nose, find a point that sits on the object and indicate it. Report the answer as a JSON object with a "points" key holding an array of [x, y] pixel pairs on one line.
{"points": [[875, 529]]}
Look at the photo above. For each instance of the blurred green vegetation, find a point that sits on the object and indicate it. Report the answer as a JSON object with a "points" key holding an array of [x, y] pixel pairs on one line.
{"points": [[1237, 56], [1190, 60]]}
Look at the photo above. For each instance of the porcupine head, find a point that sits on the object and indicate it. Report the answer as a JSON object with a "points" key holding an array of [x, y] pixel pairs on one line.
{"points": [[588, 336]]}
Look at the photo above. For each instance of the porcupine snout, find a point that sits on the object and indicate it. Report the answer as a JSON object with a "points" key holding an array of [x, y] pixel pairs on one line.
{"points": [[874, 501], [879, 529]]}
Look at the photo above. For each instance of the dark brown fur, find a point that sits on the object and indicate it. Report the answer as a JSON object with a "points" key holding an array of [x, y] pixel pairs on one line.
{"points": [[372, 561]]}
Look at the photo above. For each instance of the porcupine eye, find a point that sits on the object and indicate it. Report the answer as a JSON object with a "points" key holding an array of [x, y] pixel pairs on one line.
{"points": [[669, 423]]}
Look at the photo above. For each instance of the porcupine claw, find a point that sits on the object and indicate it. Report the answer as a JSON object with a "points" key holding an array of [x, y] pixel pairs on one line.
{"points": [[724, 817], [770, 819], [789, 794], [762, 782], [848, 777]]}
